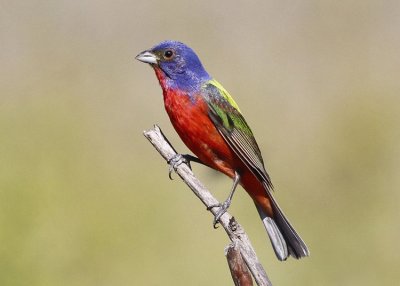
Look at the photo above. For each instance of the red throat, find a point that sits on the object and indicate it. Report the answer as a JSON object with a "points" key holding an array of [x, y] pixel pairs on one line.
{"points": [[162, 79]]}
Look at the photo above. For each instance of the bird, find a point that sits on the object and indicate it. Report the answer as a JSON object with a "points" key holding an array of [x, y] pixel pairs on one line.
{"points": [[210, 123]]}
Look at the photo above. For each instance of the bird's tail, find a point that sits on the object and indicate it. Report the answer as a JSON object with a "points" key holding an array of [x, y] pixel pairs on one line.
{"points": [[284, 239]]}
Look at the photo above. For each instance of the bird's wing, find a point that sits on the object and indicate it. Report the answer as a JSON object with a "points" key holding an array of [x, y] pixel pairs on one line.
{"points": [[226, 116]]}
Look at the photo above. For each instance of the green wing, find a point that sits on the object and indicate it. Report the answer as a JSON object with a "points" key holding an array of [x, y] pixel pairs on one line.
{"points": [[226, 116]]}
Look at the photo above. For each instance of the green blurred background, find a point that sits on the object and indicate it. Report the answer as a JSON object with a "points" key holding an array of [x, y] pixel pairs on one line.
{"points": [[85, 199]]}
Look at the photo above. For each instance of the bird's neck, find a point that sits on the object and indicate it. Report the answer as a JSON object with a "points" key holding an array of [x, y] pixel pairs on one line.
{"points": [[186, 83]]}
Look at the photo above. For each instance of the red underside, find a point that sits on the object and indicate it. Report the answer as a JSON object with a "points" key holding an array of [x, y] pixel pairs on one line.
{"points": [[190, 120]]}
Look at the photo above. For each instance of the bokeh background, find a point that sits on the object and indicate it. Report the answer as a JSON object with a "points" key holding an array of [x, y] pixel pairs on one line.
{"points": [[85, 199]]}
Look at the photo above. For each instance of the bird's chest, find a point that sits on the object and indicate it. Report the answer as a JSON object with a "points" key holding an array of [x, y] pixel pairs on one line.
{"points": [[189, 116]]}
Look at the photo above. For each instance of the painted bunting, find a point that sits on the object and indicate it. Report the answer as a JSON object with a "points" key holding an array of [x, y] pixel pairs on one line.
{"points": [[212, 126]]}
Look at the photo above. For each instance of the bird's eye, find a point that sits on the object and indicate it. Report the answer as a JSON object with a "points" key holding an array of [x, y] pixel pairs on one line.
{"points": [[168, 54]]}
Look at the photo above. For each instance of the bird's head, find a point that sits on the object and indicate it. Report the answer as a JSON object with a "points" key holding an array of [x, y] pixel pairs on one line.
{"points": [[176, 64]]}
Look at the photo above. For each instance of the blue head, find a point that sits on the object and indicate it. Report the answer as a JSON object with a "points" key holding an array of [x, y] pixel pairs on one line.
{"points": [[179, 65]]}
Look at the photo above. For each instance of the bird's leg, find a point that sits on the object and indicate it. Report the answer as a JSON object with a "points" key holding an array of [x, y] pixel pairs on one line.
{"points": [[178, 159], [226, 204]]}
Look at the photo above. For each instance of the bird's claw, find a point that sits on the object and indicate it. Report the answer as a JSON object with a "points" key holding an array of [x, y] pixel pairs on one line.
{"points": [[222, 209], [175, 161]]}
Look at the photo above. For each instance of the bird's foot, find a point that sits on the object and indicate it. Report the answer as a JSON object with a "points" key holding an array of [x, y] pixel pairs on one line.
{"points": [[222, 209], [175, 161]]}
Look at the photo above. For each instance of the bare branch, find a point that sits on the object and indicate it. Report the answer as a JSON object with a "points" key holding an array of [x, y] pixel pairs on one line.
{"points": [[239, 271], [235, 232]]}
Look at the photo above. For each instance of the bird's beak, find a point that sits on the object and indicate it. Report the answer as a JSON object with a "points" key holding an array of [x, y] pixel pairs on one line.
{"points": [[147, 57]]}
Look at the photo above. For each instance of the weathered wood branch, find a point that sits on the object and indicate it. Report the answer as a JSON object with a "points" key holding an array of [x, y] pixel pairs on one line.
{"points": [[234, 231], [240, 273]]}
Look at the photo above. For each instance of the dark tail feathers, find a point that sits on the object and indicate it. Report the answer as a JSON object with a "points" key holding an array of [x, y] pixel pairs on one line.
{"points": [[284, 238]]}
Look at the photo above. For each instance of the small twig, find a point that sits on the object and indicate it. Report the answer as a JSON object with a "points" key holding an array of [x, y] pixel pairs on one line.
{"points": [[235, 232], [239, 271]]}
